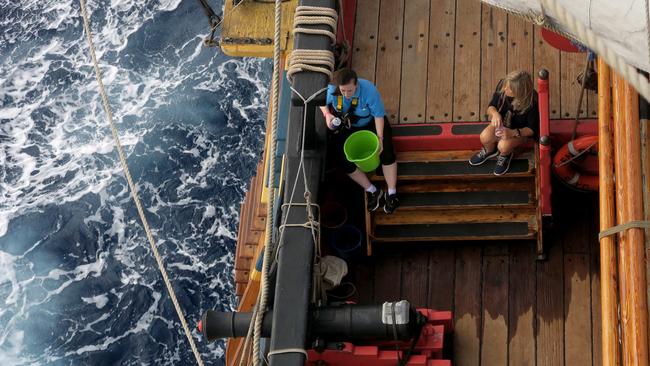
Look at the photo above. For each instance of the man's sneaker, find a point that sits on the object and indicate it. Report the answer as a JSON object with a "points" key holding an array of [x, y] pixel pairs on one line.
{"points": [[392, 202], [482, 156], [503, 163], [373, 199]]}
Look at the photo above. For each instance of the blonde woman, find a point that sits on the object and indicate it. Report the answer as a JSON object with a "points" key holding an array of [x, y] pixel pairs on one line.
{"points": [[514, 118]]}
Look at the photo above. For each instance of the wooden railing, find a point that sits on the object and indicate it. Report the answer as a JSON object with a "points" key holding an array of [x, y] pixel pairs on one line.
{"points": [[544, 144]]}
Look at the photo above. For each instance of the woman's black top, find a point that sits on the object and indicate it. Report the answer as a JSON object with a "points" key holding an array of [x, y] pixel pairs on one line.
{"points": [[529, 118]]}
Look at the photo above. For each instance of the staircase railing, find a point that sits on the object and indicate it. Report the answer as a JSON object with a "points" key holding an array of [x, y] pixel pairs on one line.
{"points": [[544, 144]]}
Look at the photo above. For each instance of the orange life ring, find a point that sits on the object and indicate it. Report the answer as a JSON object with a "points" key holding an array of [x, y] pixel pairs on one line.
{"points": [[564, 169]]}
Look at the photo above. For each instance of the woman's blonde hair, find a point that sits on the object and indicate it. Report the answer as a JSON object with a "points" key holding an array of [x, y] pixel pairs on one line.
{"points": [[521, 84]]}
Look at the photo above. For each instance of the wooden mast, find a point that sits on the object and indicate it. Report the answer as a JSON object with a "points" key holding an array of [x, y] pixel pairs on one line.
{"points": [[608, 275], [629, 198]]}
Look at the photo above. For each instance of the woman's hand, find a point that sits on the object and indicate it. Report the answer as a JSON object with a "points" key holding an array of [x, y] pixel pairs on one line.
{"points": [[505, 133], [496, 120], [381, 144]]}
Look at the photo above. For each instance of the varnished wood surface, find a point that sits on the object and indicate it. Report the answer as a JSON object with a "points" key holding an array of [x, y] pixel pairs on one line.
{"points": [[440, 60], [509, 309]]}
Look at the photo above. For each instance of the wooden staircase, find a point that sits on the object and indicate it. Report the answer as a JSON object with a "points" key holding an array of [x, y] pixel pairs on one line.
{"points": [[443, 198]]}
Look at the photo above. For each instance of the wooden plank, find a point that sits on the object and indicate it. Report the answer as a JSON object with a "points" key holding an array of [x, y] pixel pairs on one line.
{"points": [[547, 57], [413, 100], [531, 234], [520, 44], [521, 348], [592, 103], [577, 307], [440, 85], [494, 349], [576, 237], [550, 307], [571, 65], [364, 280], [442, 269], [388, 274], [467, 312], [504, 183], [467, 76], [389, 56], [365, 39], [452, 155], [493, 53], [594, 273], [415, 276], [433, 216]]}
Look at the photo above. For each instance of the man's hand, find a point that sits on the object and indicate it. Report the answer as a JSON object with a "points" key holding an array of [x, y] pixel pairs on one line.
{"points": [[381, 144]]}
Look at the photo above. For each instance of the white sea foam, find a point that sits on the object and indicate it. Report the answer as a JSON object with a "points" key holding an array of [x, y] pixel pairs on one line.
{"points": [[99, 301], [56, 150]]}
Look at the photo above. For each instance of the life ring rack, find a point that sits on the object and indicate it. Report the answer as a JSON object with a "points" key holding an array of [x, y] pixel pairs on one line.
{"points": [[565, 170]]}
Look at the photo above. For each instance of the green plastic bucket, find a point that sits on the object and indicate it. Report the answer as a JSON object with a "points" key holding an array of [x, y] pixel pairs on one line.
{"points": [[362, 148]]}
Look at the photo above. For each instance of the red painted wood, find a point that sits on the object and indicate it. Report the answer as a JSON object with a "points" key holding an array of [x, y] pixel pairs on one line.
{"points": [[349, 13], [544, 150], [561, 131], [558, 41]]}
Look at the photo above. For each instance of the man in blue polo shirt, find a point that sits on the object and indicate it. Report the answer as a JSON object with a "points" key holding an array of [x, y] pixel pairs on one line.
{"points": [[358, 104]]}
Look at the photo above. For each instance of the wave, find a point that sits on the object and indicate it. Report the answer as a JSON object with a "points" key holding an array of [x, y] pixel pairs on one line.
{"points": [[78, 279]]}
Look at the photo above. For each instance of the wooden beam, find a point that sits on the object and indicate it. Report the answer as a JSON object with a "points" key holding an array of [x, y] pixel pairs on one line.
{"points": [[608, 275], [634, 312]]}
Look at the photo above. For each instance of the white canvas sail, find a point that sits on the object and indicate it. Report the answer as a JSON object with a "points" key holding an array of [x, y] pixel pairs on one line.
{"points": [[621, 24]]}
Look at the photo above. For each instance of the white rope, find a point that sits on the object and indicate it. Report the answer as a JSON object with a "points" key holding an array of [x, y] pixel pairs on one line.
{"points": [[305, 60], [288, 350], [591, 40], [258, 314], [313, 60], [132, 187]]}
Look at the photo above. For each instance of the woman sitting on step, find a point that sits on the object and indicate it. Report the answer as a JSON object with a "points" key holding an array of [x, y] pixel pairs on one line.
{"points": [[514, 118]]}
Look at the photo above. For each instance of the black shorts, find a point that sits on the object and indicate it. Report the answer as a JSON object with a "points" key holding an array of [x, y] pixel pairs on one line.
{"points": [[337, 140]]}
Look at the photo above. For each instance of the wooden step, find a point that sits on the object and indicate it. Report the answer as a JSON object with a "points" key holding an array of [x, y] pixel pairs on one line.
{"points": [[465, 200], [504, 183], [443, 216], [430, 165], [441, 223]]}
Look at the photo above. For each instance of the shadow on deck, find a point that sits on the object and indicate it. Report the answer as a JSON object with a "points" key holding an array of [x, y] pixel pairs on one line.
{"points": [[509, 309]]}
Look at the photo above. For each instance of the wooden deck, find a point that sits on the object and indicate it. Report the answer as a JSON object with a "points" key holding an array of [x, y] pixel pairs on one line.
{"points": [[440, 60], [509, 309]]}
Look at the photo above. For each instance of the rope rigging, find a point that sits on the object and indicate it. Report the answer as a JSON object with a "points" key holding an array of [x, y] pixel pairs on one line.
{"points": [[258, 314], [132, 186], [214, 21]]}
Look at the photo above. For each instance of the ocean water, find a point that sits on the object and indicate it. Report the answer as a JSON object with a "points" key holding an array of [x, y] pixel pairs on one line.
{"points": [[78, 283]]}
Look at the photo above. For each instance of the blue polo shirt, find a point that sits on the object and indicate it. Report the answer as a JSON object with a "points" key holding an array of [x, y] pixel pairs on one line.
{"points": [[369, 106]]}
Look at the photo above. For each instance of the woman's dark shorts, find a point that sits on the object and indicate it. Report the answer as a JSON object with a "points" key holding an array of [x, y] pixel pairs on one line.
{"points": [[337, 140]]}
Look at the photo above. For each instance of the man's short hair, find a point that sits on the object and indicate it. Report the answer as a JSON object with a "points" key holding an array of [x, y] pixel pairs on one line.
{"points": [[344, 76]]}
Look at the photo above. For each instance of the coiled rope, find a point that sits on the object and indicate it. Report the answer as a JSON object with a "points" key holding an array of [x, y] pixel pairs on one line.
{"points": [[313, 60], [132, 187]]}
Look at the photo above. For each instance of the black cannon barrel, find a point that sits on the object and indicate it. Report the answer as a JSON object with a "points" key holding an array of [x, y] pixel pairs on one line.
{"points": [[219, 324], [333, 323]]}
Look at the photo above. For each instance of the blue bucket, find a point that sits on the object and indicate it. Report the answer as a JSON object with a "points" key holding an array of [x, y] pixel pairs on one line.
{"points": [[346, 241]]}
